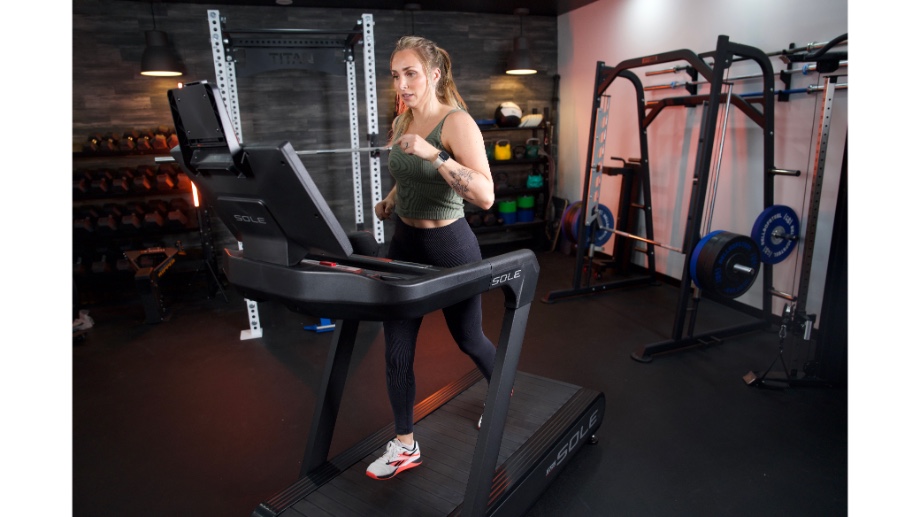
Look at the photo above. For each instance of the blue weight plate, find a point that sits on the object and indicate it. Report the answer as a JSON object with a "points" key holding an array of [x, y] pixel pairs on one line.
{"points": [[780, 220], [605, 219], [571, 219], [695, 256]]}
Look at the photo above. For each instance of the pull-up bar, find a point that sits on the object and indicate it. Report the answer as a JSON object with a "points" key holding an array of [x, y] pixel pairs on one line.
{"points": [[675, 84]]}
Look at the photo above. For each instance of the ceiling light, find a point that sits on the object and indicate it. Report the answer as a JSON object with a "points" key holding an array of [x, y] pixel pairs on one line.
{"points": [[519, 62], [159, 59]]}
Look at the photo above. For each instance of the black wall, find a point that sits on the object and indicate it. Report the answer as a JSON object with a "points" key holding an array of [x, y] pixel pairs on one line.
{"points": [[307, 108]]}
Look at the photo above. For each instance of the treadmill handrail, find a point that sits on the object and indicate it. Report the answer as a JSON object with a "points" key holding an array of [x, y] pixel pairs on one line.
{"points": [[339, 291]]}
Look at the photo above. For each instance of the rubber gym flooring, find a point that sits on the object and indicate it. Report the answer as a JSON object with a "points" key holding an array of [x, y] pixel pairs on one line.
{"points": [[185, 418]]}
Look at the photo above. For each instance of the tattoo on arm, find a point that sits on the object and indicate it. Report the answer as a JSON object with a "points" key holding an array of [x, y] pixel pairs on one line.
{"points": [[460, 181]]}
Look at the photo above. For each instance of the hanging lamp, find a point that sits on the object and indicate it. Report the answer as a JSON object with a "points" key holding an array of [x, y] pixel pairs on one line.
{"points": [[159, 59], [520, 62]]}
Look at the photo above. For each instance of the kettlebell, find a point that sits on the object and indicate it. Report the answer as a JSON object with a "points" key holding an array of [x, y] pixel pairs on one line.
{"points": [[490, 149], [533, 148], [519, 152], [503, 150]]}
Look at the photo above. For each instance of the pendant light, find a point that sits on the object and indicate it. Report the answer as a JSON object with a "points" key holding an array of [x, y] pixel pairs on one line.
{"points": [[159, 59], [519, 62]]}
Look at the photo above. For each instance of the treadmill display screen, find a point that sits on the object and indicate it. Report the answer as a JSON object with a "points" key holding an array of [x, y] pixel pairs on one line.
{"points": [[262, 193]]}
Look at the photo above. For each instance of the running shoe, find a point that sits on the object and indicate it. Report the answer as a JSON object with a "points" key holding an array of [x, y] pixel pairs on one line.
{"points": [[396, 459], [479, 425]]}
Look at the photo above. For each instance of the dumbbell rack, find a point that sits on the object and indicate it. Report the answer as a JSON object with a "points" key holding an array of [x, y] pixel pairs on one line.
{"points": [[123, 203]]}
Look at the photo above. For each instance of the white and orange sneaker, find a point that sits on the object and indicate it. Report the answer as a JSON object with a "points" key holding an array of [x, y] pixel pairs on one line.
{"points": [[396, 459]]}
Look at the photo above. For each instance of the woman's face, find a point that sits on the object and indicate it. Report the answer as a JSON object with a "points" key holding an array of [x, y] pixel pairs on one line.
{"points": [[409, 78]]}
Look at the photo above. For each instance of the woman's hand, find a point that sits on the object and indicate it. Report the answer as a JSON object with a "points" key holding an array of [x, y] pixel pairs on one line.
{"points": [[384, 208], [413, 144]]}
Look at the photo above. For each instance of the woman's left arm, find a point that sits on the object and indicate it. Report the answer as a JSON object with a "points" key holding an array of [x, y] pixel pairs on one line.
{"points": [[467, 172]]}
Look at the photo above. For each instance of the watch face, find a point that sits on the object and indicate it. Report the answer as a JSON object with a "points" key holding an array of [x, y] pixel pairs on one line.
{"points": [[444, 156]]}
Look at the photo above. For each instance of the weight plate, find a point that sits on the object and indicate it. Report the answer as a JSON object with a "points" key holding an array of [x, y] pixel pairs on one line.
{"points": [[725, 264], [695, 256], [776, 232], [571, 220]]}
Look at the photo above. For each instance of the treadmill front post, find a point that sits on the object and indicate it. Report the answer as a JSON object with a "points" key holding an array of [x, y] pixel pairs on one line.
{"points": [[488, 443], [329, 397]]}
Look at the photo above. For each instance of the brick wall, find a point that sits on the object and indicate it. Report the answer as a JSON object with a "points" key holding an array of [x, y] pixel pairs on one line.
{"points": [[307, 108]]}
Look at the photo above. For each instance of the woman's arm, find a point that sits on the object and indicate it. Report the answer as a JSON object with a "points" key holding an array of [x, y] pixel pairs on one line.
{"points": [[467, 172]]}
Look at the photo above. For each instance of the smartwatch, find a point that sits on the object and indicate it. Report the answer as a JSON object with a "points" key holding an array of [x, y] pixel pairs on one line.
{"points": [[439, 161]]}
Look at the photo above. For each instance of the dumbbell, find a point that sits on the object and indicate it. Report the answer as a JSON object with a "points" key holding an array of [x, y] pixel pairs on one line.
{"points": [[161, 138], [131, 223], [132, 219], [123, 181], [167, 176], [155, 214], [101, 182], [111, 140], [128, 140], [83, 225], [83, 211], [82, 180], [178, 213], [134, 207], [144, 141], [107, 224], [113, 209], [144, 178], [183, 182], [97, 142], [102, 264], [92, 143]]}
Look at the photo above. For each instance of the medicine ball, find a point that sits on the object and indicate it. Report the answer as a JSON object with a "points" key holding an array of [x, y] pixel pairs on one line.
{"points": [[508, 114]]}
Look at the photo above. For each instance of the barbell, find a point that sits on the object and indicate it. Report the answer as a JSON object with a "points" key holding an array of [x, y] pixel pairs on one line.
{"points": [[170, 159], [722, 263]]}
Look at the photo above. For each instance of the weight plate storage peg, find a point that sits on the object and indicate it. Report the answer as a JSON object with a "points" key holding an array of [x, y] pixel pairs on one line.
{"points": [[776, 231], [725, 264]]}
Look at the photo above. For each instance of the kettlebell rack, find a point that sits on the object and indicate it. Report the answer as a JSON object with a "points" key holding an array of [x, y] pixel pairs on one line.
{"points": [[727, 52]]}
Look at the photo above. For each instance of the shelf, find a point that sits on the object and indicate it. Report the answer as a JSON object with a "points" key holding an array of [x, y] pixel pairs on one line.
{"points": [[117, 197], [510, 191], [495, 129], [523, 161], [530, 225], [120, 154]]}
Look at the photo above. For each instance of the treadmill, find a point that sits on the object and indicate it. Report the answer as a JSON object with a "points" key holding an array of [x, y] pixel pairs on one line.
{"points": [[295, 252]]}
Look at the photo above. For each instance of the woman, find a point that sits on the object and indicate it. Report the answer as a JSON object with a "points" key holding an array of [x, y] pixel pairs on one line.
{"points": [[438, 160]]}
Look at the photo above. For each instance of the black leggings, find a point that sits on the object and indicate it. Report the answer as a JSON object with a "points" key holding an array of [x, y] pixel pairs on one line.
{"points": [[449, 246]]}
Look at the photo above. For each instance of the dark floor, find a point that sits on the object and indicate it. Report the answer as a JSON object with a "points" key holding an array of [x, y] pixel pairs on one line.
{"points": [[185, 418]]}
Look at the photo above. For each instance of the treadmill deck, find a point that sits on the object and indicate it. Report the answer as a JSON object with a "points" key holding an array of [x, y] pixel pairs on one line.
{"points": [[447, 437]]}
